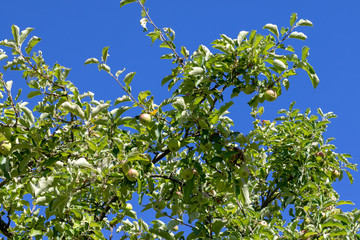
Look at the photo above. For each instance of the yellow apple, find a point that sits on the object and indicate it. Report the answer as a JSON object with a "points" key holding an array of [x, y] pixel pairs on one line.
{"points": [[270, 95], [5, 147]]}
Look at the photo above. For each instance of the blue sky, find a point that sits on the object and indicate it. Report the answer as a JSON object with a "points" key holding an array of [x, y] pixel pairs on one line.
{"points": [[73, 31]]}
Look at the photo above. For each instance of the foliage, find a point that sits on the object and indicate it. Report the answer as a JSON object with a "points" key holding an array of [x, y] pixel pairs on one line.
{"points": [[70, 165]]}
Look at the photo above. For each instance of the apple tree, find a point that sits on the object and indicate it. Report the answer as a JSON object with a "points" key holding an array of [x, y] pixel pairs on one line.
{"points": [[72, 165]]}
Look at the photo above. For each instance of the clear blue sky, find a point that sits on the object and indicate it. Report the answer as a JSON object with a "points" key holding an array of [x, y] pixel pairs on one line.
{"points": [[73, 31]]}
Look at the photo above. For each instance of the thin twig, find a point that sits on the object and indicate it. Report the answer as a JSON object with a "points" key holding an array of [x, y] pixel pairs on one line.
{"points": [[167, 177], [161, 34]]}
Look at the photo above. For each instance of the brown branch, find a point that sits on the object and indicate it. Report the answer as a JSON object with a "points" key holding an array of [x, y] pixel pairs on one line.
{"points": [[4, 228], [106, 208], [167, 177], [160, 156]]}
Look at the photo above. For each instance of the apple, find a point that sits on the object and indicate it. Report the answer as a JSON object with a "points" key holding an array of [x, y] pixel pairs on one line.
{"points": [[174, 145], [128, 206], [187, 174], [270, 95], [335, 173], [5, 147], [320, 154], [249, 89], [132, 175], [263, 223], [244, 172], [145, 118], [176, 228]]}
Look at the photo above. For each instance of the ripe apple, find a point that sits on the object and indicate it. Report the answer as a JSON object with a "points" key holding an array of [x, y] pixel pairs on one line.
{"points": [[174, 145], [5, 147], [270, 95], [187, 174], [320, 154], [145, 118], [132, 175], [244, 172], [335, 173], [263, 223], [128, 206]]}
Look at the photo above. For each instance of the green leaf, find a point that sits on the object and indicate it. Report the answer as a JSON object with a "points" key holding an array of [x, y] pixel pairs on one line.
{"points": [[143, 22], [32, 42], [304, 22], [279, 64], [241, 36], [33, 94], [217, 225], [124, 2], [343, 202], [104, 67], [105, 54], [293, 19], [82, 163], [2, 55], [196, 71], [272, 28], [298, 35], [162, 233], [28, 114], [304, 53], [73, 108], [91, 60], [34, 232], [124, 98], [15, 32], [24, 34], [118, 72], [128, 78], [314, 80], [98, 109], [286, 83], [351, 178], [184, 52]]}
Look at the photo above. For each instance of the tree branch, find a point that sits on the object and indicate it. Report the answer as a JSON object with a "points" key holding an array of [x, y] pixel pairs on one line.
{"points": [[106, 209], [4, 228]]}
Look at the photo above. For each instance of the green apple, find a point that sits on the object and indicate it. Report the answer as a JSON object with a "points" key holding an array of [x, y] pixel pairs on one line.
{"points": [[128, 206], [174, 145], [244, 172], [145, 118], [187, 174], [5, 147], [270, 95], [132, 175]]}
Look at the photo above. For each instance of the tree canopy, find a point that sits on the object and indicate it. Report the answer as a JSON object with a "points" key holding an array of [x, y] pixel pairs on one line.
{"points": [[71, 165]]}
